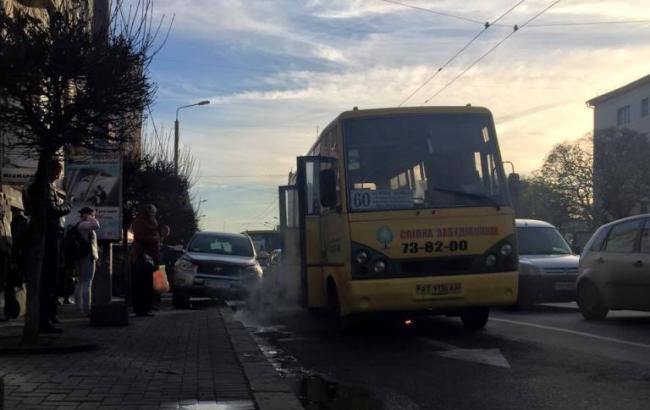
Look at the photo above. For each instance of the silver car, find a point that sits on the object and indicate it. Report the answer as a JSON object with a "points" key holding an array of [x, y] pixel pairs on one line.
{"points": [[615, 268], [547, 267], [215, 265]]}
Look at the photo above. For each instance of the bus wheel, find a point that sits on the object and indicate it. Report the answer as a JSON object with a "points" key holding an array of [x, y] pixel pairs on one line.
{"points": [[475, 319]]}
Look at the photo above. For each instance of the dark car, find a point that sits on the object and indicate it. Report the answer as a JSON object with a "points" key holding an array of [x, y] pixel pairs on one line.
{"points": [[217, 265]]}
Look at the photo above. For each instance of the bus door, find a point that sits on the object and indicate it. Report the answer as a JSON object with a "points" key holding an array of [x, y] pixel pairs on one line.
{"points": [[288, 278], [307, 182]]}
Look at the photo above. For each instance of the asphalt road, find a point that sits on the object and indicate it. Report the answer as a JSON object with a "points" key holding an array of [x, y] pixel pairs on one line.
{"points": [[544, 358]]}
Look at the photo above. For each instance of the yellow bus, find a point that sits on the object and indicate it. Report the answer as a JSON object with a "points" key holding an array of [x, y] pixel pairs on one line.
{"points": [[402, 210]]}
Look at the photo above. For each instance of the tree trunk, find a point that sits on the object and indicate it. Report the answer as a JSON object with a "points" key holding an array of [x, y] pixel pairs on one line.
{"points": [[37, 210]]}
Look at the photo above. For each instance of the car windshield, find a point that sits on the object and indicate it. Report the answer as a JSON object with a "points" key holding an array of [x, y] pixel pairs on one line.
{"points": [[423, 161], [541, 241], [221, 245]]}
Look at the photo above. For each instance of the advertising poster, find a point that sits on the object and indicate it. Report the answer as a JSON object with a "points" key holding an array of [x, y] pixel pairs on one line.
{"points": [[95, 180], [18, 166]]}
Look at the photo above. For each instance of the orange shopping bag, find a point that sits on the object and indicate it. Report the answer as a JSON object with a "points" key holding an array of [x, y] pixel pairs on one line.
{"points": [[160, 282]]}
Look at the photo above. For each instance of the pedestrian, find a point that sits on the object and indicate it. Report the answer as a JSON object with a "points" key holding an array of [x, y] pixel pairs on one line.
{"points": [[17, 262], [146, 258], [52, 222], [5, 248], [86, 259]]}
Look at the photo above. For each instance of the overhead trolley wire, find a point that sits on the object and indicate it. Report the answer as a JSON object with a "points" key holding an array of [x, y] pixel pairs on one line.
{"points": [[486, 26], [515, 29], [439, 13], [589, 23]]}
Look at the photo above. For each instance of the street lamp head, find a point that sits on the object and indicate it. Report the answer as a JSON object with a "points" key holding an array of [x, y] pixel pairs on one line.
{"points": [[204, 102]]}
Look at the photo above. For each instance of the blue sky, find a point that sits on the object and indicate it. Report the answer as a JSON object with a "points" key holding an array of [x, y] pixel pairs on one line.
{"points": [[276, 70]]}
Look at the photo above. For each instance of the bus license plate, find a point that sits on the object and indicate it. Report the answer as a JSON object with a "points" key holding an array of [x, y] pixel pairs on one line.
{"points": [[438, 289]]}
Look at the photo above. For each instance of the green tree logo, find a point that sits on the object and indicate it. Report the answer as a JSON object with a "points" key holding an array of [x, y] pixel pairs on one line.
{"points": [[385, 236]]}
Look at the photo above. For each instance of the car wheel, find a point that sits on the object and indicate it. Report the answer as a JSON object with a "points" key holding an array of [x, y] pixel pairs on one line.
{"points": [[180, 301], [590, 303], [475, 319]]}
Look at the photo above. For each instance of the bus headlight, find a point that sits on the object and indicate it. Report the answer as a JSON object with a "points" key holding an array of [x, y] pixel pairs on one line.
{"points": [[506, 250], [379, 267], [362, 257], [491, 260]]}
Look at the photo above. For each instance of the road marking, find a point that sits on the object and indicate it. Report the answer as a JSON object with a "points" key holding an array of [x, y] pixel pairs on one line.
{"points": [[572, 332], [490, 357]]}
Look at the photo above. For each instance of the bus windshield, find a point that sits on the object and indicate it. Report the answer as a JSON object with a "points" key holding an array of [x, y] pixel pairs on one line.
{"points": [[423, 161]]}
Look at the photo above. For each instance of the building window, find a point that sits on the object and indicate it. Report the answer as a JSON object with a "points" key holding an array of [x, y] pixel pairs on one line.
{"points": [[623, 116], [644, 107]]}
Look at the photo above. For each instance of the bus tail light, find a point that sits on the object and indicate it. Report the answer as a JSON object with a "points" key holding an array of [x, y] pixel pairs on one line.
{"points": [[379, 266]]}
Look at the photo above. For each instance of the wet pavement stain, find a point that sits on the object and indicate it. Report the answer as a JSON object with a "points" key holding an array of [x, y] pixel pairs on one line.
{"points": [[316, 393]]}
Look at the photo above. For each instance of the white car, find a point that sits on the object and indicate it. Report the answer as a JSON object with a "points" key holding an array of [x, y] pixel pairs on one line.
{"points": [[215, 265], [547, 266]]}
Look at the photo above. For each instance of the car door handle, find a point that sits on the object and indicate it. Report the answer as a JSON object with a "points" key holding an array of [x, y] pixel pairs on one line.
{"points": [[638, 264]]}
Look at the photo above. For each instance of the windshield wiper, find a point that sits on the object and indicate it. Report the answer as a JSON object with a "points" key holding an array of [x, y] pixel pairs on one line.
{"points": [[471, 195]]}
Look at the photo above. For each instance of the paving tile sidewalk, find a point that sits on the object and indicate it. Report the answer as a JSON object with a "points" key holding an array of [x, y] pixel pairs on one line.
{"points": [[177, 359]]}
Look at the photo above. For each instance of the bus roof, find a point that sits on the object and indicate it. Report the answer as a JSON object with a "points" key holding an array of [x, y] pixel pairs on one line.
{"points": [[377, 112]]}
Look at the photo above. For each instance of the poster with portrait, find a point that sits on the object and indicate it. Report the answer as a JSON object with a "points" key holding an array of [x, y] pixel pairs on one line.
{"points": [[95, 180]]}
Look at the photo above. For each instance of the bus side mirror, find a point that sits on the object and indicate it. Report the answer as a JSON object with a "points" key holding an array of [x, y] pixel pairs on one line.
{"points": [[327, 183], [514, 185]]}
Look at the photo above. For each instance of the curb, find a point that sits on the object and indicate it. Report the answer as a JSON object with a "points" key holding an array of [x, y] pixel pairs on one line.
{"points": [[270, 391]]}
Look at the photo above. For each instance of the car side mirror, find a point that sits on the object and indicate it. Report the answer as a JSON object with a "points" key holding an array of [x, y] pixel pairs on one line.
{"points": [[327, 188]]}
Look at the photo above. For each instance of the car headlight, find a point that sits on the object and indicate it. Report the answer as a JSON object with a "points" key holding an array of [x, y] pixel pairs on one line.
{"points": [[253, 270], [506, 250], [362, 257], [491, 260], [379, 266], [185, 266], [529, 269]]}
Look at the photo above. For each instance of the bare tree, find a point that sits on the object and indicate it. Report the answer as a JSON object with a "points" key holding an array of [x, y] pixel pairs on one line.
{"points": [[568, 170], [152, 179], [67, 83]]}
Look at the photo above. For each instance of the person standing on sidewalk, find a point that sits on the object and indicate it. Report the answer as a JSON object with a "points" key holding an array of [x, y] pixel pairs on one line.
{"points": [[146, 258], [87, 230], [55, 211]]}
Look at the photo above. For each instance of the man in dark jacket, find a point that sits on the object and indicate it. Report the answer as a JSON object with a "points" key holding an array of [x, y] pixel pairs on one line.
{"points": [[53, 224]]}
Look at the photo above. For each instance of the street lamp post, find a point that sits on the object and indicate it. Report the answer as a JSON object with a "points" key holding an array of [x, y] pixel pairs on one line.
{"points": [[204, 102]]}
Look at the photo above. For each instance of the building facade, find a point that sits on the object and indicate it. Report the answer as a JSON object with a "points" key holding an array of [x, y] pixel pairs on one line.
{"points": [[627, 107], [624, 107]]}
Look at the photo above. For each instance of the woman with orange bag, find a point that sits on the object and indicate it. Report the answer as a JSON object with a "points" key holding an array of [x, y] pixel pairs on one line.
{"points": [[146, 258]]}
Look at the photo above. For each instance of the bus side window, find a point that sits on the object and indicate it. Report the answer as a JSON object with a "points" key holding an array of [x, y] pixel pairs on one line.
{"points": [[313, 189], [329, 170]]}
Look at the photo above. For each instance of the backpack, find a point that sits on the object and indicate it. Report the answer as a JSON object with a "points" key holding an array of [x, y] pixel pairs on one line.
{"points": [[76, 246]]}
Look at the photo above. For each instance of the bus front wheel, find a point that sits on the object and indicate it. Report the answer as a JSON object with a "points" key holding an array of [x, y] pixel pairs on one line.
{"points": [[475, 319]]}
